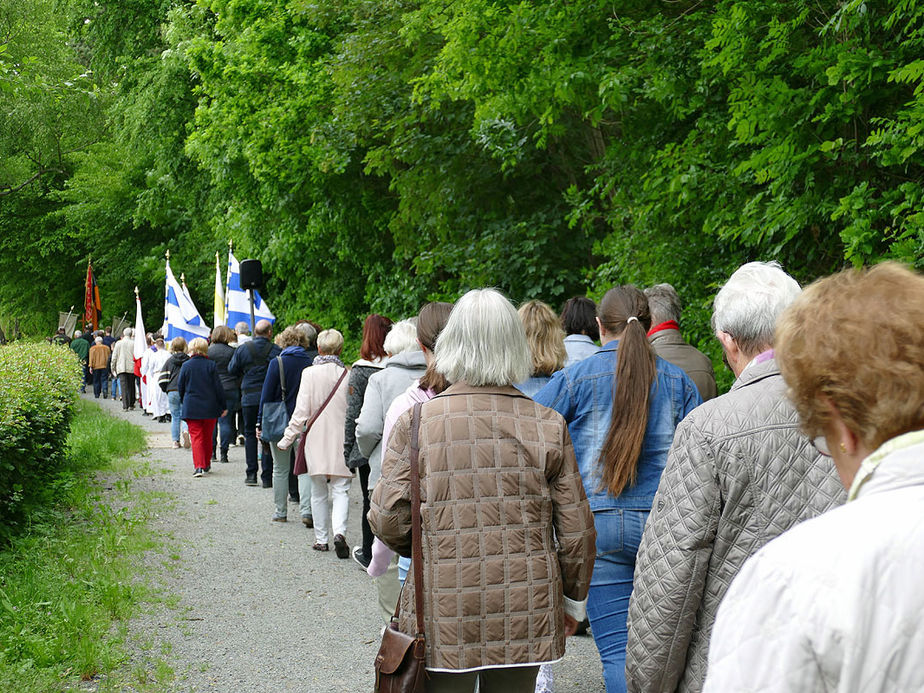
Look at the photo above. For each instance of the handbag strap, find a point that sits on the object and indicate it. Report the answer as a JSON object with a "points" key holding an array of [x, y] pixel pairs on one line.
{"points": [[314, 417], [282, 377], [416, 547]]}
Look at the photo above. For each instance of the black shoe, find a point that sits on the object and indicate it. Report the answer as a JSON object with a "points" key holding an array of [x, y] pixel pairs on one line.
{"points": [[360, 557], [267, 484], [340, 546], [293, 498], [208, 469], [308, 521], [224, 457], [251, 480]]}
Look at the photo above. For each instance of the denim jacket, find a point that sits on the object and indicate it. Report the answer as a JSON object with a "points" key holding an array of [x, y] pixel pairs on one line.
{"points": [[583, 394]]}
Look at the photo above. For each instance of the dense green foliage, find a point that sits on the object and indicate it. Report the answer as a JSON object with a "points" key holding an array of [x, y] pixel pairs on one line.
{"points": [[378, 154], [71, 575], [38, 386]]}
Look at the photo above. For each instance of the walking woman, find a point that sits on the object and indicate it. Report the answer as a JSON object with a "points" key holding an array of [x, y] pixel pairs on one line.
{"points": [[546, 340], [295, 359], [220, 352], [622, 405], [499, 484], [323, 393], [178, 357], [371, 360], [203, 401]]}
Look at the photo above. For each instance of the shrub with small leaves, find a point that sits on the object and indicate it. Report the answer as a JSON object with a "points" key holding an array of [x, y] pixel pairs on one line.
{"points": [[38, 391]]}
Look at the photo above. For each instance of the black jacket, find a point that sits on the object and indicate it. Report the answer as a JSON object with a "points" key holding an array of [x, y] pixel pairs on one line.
{"points": [[251, 360], [172, 366], [221, 355]]}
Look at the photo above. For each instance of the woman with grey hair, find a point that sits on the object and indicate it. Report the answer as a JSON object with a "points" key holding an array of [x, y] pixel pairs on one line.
{"points": [[499, 484], [406, 363], [322, 396]]}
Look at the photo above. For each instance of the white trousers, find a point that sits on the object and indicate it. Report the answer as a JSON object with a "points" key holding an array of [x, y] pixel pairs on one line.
{"points": [[338, 513]]}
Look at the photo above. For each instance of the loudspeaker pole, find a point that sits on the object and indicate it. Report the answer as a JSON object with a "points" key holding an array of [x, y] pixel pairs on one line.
{"points": [[253, 323]]}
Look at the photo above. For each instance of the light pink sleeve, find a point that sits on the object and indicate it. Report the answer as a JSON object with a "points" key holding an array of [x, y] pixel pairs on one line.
{"points": [[381, 558], [401, 404]]}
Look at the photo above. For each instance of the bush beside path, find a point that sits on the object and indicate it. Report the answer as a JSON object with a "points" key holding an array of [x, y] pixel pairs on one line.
{"points": [[248, 605]]}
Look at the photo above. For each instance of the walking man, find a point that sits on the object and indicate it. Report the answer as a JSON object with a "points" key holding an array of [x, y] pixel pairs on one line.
{"points": [[250, 362], [123, 367]]}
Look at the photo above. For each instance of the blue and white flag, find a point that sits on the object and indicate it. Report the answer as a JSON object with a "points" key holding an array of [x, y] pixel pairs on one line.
{"points": [[237, 300], [181, 319]]}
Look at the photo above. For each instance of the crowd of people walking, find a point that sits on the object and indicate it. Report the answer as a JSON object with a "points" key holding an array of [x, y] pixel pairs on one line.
{"points": [[583, 465]]}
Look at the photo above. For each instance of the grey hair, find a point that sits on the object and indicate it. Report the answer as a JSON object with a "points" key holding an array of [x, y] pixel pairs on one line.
{"points": [[128, 332], [663, 303], [242, 327], [330, 342], [98, 340], [484, 342], [401, 337], [749, 304], [310, 334]]}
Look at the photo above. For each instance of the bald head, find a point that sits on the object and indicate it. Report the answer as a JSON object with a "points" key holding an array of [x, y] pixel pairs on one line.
{"points": [[264, 328]]}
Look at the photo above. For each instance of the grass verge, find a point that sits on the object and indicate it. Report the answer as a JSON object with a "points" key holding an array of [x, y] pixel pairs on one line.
{"points": [[68, 581]]}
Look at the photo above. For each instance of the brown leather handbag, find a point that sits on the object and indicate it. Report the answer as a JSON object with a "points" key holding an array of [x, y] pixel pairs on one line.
{"points": [[400, 665]]}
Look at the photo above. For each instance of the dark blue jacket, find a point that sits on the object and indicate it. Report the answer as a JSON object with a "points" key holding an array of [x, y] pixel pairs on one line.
{"points": [[200, 389], [294, 360], [251, 360]]}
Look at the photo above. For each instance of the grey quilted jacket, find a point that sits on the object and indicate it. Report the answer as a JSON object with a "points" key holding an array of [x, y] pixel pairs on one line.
{"points": [[738, 474]]}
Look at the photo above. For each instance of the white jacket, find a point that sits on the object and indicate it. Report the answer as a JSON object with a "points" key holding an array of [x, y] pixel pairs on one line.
{"points": [[123, 356], [836, 603]]}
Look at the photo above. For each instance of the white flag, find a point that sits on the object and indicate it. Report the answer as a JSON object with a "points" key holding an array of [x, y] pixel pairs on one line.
{"points": [[181, 319], [141, 342]]}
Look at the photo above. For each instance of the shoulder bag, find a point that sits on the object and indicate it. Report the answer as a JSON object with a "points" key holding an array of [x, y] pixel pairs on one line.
{"points": [[275, 415], [301, 464], [400, 665]]}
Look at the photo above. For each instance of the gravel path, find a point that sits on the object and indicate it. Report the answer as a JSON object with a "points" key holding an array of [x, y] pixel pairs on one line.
{"points": [[256, 609]]}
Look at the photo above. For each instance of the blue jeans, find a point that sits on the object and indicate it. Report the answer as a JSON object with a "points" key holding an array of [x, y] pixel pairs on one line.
{"points": [[226, 423], [175, 409], [115, 387], [619, 533]]}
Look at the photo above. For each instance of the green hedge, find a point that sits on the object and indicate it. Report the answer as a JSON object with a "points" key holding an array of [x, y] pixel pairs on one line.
{"points": [[38, 392]]}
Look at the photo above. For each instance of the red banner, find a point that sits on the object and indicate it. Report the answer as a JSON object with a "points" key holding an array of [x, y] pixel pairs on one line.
{"points": [[92, 309]]}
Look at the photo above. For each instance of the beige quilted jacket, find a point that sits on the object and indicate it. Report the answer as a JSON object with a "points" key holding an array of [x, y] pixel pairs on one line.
{"points": [[499, 485], [738, 474]]}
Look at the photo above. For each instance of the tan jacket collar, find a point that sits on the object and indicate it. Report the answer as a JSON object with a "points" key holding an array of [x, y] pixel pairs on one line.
{"points": [[461, 388]]}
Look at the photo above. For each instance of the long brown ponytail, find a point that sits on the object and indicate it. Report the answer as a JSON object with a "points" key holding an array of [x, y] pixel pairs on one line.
{"points": [[430, 323], [624, 309]]}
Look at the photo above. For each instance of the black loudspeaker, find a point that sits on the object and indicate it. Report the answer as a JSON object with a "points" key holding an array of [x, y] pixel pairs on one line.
{"points": [[251, 274]]}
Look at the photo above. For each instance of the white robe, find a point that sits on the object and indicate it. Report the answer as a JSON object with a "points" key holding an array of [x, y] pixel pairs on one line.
{"points": [[145, 390], [159, 404]]}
